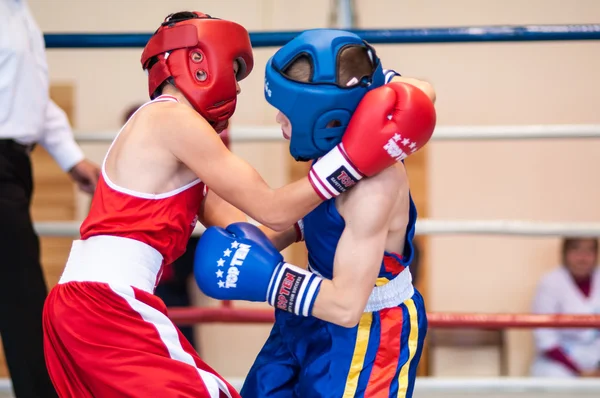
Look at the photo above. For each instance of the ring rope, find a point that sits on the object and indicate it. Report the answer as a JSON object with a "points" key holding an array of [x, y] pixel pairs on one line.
{"points": [[449, 133], [423, 227], [472, 34], [194, 315]]}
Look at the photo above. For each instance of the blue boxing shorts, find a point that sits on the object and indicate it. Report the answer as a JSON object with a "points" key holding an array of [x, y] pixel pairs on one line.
{"points": [[307, 357]]}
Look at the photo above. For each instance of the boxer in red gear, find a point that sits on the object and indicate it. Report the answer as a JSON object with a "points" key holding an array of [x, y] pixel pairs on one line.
{"points": [[106, 333]]}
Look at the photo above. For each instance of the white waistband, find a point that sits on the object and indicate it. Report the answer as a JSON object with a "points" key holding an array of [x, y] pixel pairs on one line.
{"points": [[390, 295], [114, 260]]}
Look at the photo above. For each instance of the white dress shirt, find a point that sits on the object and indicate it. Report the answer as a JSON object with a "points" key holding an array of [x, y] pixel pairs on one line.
{"points": [[27, 114]]}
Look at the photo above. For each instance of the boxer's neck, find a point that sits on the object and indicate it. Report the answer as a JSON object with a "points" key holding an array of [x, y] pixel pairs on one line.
{"points": [[173, 91]]}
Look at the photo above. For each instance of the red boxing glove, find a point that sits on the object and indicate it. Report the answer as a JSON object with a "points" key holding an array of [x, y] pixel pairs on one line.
{"points": [[390, 123]]}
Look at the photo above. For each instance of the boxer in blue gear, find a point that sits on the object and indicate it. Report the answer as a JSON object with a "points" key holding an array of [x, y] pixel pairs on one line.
{"points": [[352, 324]]}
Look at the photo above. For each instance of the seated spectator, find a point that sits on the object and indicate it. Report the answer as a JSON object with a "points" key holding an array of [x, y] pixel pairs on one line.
{"points": [[573, 288]]}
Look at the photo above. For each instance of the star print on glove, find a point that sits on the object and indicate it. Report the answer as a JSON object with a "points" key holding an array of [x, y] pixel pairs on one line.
{"points": [[396, 147], [233, 270]]}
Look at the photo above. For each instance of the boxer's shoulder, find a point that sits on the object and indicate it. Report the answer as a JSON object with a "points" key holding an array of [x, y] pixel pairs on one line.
{"points": [[372, 190], [171, 120]]}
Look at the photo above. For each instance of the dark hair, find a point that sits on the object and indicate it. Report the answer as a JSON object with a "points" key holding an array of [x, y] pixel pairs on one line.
{"points": [[571, 243], [300, 70], [179, 16], [171, 18]]}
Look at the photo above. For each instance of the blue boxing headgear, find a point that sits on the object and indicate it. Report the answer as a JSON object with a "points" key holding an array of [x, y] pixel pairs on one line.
{"points": [[311, 106]]}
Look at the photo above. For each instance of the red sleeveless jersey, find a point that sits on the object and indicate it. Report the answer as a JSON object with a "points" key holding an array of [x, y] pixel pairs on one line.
{"points": [[163, 221]]}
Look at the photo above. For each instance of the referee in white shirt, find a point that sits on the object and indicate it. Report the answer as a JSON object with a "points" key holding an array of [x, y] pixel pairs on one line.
{"points": [[27, 117]]}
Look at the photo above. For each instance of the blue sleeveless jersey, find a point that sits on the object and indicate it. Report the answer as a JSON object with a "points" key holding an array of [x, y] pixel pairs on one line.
{"points": [[323, 228]]}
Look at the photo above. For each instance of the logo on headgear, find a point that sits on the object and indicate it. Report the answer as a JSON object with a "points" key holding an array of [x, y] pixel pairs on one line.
{"points": [[267, 89]]}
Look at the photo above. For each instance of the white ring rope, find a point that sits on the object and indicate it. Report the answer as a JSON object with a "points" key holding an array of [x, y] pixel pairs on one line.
{"points": [[537, 387], [533, 132], [424, 227]]}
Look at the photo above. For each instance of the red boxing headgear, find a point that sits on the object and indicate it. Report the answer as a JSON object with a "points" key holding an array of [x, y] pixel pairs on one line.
{"points": [[197, 54]]}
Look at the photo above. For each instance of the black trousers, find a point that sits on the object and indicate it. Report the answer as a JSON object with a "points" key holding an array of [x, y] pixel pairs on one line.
{"points": [[22, 284]]}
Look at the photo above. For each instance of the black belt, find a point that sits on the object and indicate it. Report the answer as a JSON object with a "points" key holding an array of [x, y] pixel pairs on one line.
{"points": [[12, 145]]}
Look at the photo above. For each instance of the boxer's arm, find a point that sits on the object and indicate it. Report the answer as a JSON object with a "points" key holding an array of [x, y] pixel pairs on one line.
{"points": [[193, 141], [426, 87], [359, 253], [215, 211], [371, 143], [281, 240], [261, 274]]}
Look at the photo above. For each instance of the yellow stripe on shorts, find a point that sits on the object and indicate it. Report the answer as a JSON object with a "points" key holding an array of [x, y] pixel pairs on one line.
{"points": [[381, 281], [358, 357], [413, 342]]}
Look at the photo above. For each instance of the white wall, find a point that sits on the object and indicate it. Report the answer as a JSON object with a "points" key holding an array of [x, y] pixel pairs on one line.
{"points": [[487, 83]]}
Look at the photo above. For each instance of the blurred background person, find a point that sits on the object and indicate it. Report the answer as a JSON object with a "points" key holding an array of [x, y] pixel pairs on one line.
{"points": [[27, 117], [573, 288]]}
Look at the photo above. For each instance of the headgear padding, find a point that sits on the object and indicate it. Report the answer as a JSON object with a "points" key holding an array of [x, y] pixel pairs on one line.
{"points": [[311, 106], [197, 56]]}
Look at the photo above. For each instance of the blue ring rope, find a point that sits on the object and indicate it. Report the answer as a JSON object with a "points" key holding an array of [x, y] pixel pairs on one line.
{"points": [[374, 36]]}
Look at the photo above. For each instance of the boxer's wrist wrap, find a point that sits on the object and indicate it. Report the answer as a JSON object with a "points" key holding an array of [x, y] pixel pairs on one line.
{"points": [[299, 227], [293, 289], [333, 174]]}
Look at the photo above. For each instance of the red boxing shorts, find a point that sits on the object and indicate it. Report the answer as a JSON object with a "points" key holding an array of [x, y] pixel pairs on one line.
{"points": [[105, 338]]}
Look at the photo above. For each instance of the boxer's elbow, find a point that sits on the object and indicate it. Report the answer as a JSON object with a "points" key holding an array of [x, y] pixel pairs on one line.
{"points": [[275, 220], [338, 305], [422, 85], [425, 87], [350, 319], [428, 89], [280, 218], [349, 310]]}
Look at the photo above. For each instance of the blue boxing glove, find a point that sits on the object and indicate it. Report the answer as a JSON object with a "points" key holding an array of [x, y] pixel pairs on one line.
{"points": [[240, 263]]}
